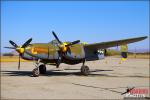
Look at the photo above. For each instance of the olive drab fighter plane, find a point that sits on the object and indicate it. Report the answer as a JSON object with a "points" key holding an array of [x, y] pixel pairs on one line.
{"points": [[57, 52]]}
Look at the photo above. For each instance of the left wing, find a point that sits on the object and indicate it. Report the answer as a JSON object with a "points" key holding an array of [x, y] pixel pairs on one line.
{"points": [[104, 45]]}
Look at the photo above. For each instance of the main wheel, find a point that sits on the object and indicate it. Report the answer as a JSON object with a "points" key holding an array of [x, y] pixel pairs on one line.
{"points": [[85, 70], [35, 72], [42, 69]]}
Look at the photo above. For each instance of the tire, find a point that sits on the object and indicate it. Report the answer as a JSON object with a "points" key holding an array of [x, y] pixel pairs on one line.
{"points": [[42, 69], [85, 70], [35, 72]]}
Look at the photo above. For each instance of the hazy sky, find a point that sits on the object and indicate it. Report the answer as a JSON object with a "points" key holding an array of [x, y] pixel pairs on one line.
{"points": [[89, 21]]}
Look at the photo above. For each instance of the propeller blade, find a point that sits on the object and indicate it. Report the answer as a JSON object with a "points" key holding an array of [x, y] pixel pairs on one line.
{"points": [[56, 37], [26, 43], [13, 43], [10, 47], [72, 43], [19, 63]]}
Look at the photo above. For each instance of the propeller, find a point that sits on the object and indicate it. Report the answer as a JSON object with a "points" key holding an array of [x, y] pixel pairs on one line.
{"points": [[10, 47], [19, 49], [13, 43], [26, 43], [72, 43], [56, 37], [63, 45]]}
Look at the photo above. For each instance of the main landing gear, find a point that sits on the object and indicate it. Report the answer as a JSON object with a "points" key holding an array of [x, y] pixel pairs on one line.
{"points": [[40, 69], [85, 69]]}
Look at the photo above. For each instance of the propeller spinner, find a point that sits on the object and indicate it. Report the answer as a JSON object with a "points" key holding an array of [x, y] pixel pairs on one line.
{"points": [[63, 45]]}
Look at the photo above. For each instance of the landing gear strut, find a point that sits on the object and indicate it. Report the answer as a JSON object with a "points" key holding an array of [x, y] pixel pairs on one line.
{"points": [[58, 62], [84, 69]]}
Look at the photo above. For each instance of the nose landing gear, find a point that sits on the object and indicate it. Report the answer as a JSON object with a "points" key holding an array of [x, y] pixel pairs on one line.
{"points": [[40, 69], [35, 72]]}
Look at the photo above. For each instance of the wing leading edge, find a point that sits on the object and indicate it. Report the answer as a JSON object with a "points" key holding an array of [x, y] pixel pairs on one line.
{"points": [[104, 45]]}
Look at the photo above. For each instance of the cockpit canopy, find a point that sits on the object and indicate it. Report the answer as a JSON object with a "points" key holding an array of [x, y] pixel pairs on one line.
{"points": [[54, 42]]}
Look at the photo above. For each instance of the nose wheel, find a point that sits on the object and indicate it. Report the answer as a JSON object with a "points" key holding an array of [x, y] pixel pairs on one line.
{"points": [[35, 72], [85, 70], [41, 69]]}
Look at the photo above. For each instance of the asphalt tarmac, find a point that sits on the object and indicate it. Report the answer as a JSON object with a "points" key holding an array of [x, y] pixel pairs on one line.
{"points": [[107, 80]]}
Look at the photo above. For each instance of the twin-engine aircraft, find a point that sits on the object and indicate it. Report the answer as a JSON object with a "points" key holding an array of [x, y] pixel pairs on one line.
{"points": [[57, 52]]}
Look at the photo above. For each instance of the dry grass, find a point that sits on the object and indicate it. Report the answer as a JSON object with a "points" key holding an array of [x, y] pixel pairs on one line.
{"points": [[137, 56], [11, 59]]}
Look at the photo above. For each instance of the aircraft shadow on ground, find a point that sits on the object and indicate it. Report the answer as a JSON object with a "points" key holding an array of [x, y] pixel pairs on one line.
{"points": [[54, 72], [16, 73], [61, 73]]}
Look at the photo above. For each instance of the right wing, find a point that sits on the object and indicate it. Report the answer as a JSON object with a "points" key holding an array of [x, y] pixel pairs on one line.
{"points": [[91, 49], [104, 45]]}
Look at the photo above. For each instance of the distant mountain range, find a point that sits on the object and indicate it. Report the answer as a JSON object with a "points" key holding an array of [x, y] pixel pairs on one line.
{"points": [[15, 53]]}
